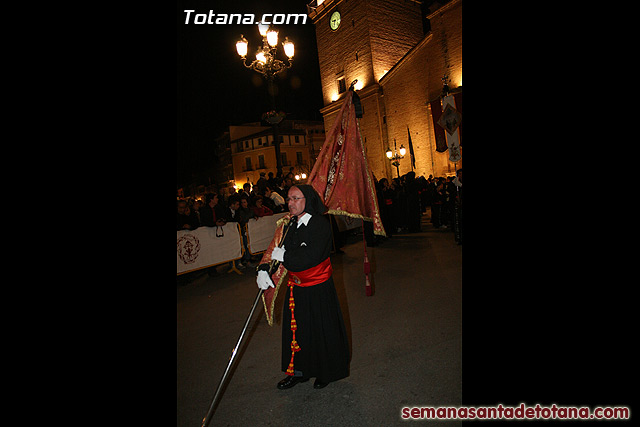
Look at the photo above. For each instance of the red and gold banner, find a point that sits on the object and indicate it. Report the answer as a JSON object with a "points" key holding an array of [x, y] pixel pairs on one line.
{"points": [[341, 175], [279, 277]]}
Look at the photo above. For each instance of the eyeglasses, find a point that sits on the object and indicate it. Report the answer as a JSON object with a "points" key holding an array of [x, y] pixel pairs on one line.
{"points": [[295, 199]]}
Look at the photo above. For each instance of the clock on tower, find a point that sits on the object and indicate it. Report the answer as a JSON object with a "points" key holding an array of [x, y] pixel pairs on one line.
{"points": [[334, 21]]}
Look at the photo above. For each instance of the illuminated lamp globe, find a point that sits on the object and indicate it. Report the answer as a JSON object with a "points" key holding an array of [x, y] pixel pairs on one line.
{"points": [[241, 46], [261, 57], [272, 38], [289, 48], [263, 28]]}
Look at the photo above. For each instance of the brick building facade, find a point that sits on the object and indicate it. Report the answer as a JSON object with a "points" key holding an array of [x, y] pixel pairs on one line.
{"points": [[399, 68]]}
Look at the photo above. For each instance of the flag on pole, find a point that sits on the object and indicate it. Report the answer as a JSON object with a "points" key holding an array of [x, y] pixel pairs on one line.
{"points": [[457, 98], [341, 175], [413, 156], [450, 120], [436, 112]]}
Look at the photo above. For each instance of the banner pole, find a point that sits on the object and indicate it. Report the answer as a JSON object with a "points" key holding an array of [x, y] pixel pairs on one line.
{"points": [[218, 394], [273, 266]]}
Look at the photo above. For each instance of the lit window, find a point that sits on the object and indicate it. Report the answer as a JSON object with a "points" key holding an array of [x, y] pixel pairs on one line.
{"points": [[342, 86]]}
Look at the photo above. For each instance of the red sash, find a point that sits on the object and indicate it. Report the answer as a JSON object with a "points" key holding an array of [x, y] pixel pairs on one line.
{"points": [[312, 276]]}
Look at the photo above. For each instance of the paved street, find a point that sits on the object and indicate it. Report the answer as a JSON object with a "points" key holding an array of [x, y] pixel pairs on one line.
{"points": [[406, 341]]}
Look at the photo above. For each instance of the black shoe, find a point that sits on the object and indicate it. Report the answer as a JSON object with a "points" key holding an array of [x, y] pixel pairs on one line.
{"points": [[290, 381], [319, 384]]}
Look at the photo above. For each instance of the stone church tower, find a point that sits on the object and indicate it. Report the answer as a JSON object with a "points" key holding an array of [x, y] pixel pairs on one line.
{"points": [[363, 40], [399, 60]]}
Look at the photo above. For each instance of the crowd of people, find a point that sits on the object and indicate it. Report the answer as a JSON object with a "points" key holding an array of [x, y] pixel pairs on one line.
{"points": [[402, 202], [266, 197]]}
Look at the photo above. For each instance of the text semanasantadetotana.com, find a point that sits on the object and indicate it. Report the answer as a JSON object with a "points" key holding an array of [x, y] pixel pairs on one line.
{"points": [[521, 412]]}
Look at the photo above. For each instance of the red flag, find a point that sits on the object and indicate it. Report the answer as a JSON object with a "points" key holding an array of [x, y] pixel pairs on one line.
{"points": [[341, 175]]}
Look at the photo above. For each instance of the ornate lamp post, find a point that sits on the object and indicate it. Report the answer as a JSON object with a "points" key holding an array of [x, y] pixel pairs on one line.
{"points": [[395, 156], [268, 65], [266, 62]]}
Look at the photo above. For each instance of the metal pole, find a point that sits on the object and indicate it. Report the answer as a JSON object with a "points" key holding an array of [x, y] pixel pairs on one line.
{"points": [[273, 266], [218, 394], [276, 136]]}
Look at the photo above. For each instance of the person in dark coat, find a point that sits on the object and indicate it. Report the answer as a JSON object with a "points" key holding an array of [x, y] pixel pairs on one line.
{"points": [[262, 183], [386, 207], [400, 216], [413, 202], [187, 219], [231, 213], [440, 199], [315, 343], [211, 213], [245, 211], [457, 223]]}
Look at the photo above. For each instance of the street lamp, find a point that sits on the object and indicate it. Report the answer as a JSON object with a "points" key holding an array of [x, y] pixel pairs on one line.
{"points": [[268, 65], [396, 156], [266, 62]]}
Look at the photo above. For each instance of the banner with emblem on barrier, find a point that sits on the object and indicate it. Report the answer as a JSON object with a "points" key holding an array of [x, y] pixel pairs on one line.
{"points": [[208, 246], [260, 232]]}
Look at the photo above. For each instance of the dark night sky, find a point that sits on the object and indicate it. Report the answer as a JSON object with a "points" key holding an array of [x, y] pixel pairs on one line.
{"points": [[214, 89]]}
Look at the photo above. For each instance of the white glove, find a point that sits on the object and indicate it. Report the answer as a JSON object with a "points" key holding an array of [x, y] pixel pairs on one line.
{"points": [[263, 280], [278, 254]]}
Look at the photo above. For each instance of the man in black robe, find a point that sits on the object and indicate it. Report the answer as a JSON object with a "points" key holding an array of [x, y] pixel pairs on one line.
{"points": [[319, 330]]}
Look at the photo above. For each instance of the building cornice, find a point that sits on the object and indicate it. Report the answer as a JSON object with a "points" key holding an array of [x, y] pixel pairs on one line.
{"points": [[443, 8], [268, 132], [316, 13]]}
